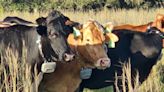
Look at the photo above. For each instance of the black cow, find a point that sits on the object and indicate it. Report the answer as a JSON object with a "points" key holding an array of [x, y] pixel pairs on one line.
{"points": [[141, 49], [17, 20], [52, 36]]}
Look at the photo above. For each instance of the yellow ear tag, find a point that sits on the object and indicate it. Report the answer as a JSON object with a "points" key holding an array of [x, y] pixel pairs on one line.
{"points": [[76, 32], [111, 44], [108, 30]]}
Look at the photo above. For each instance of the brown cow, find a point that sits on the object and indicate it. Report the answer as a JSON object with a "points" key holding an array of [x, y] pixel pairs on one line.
{"points": [[89, 48], [158, 23]]}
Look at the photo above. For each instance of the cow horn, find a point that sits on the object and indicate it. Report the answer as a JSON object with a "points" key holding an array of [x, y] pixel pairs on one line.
{"points": [[76, 32]]}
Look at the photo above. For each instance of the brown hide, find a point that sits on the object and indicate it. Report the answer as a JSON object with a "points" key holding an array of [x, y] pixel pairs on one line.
{"points": [[66, 78], [140, 28], [159, 21]]}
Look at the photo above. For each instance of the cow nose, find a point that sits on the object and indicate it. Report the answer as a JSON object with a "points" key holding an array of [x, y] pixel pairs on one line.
{"points": [[69, 57], [104, 63]]}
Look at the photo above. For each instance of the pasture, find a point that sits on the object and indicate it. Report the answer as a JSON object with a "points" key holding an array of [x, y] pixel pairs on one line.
{"points": [[21, 71]]}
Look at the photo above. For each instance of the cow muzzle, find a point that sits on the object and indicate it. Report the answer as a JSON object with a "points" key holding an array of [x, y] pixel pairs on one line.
{"points": [[103, 63], [68, 57]]}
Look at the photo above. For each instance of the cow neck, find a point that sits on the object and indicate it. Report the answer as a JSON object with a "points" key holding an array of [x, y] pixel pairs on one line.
{"points": [[40, 47]]}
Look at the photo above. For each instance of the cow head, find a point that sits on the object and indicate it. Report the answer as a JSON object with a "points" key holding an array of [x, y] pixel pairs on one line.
{"points": [[57, 32], [159, 22], [89, 44]]}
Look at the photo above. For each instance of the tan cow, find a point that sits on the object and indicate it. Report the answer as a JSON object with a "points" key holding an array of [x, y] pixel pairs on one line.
{"points": [[88, 46]]}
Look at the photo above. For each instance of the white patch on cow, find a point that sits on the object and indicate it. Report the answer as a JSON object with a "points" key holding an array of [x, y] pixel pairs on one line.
{"points": [[32, 25], [38, 41], [148, 27], [138, 46]]}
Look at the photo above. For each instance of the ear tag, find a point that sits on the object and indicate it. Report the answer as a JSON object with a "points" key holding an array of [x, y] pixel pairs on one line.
{"points": [[85, 73], [111, 44], [108, 30], [76, 32], [48, 67], [162, 36]]}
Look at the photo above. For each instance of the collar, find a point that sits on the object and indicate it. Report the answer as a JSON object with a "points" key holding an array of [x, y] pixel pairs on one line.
{"points": [[48, 66], [50, 59], [155, 32]]}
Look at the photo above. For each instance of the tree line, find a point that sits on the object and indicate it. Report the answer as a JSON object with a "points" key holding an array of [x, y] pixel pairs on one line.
{"points": [[82, 5]]}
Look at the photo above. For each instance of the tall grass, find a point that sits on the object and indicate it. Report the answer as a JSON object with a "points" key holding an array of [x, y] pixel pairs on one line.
{"points": [[17, 77], [15, 73], [121, 16]]}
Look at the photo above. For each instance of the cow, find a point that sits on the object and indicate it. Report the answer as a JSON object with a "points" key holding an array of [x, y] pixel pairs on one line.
{"points": [[88, 46], [158, 22], [43, 43], [142, 50], [17, 20]]}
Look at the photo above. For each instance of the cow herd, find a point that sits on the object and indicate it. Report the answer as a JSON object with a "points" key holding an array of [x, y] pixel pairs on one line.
{"points": [[64, 51]]}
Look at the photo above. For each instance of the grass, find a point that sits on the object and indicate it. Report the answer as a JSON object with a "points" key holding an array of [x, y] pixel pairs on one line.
{"points": [[15, 73], [20, 73]]}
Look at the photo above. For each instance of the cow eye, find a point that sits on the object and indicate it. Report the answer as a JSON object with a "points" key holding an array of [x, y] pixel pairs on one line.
{"points": [[88, 40], [105, 48], [54, 35], [87, 44]]}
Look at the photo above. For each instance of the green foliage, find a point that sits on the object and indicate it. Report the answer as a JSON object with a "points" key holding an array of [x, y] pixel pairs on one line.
{"points": [[44, 5], [1, 9]]}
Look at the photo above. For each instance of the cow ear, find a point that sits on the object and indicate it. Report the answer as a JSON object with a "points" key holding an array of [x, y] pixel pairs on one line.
{"points": [[159, 16], [69, 23], [42, 30], [109, 36], [73, 24], [111, 39], [41, 21]]}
